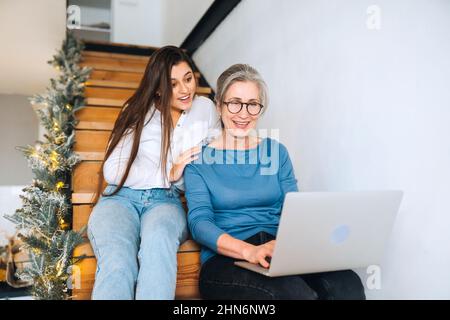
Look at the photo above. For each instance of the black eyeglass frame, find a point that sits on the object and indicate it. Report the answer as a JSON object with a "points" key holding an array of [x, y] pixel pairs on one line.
{"points": [[242, 105]]}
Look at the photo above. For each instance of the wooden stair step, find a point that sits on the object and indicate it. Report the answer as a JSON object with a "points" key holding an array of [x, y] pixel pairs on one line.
{"points": [[124, 93], [97, 113], [97, 118], [114, 64], [95, 125], [112, 84], [111, 55], [91, 156], [118, 76], [82, 198], [85, 176], [105, 102], [108, 93], [80, 216], [91, 140], [86, 249]]}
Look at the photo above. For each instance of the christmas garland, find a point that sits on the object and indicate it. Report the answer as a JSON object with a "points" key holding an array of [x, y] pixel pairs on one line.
{"points": [[44, 219]]}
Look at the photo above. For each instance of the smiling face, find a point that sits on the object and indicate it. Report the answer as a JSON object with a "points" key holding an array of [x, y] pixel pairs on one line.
{"points": [[183, 86], [239, 125]]}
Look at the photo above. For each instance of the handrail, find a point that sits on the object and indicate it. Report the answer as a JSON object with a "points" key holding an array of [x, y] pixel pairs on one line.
{"points": [[214, 16]]}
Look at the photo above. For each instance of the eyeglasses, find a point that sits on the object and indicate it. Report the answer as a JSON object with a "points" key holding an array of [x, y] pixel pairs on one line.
{"points": [[253, 108]]}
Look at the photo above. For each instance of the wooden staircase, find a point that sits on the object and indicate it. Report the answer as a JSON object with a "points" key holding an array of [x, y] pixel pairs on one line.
{"points": [[114, 79]]}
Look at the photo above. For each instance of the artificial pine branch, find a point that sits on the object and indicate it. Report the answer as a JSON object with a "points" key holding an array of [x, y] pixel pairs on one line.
{"points": [[42, 220]]}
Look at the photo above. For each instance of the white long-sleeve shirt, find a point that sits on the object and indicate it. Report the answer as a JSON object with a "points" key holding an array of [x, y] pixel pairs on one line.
{"points": [[195, 125]]}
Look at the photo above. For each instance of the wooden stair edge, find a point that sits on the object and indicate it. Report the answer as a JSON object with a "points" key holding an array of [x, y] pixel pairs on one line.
{"points": [[112, 84], [82, 198], [108, 67], [123, 84], [95, 125], [114, 55], [95, 101], [85, 249], [105, 102], [90, 156]]}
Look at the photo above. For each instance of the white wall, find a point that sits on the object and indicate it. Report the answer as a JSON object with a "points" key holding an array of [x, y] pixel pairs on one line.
{"points": [[359, 109], [18, 127], [9, 203], [180, 17], [93, 12], [137, 22], [155, 22], [30, 33]]}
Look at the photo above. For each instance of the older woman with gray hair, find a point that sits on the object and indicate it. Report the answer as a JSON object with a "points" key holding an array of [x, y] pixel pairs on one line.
{"points": [[235, 191]]}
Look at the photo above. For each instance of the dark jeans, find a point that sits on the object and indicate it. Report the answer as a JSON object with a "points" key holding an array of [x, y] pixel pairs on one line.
{"points": [[221, 279]]}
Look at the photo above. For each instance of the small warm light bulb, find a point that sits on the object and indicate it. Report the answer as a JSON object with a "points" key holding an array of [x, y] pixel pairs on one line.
{"points": [[54, 160], [59, 186]]}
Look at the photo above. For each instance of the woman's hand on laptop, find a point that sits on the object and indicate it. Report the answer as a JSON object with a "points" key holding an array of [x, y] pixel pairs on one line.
{"points": [[258, 254]]}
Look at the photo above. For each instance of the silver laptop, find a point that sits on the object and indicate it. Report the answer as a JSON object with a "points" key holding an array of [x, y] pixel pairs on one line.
{"points": [[330, 231]]}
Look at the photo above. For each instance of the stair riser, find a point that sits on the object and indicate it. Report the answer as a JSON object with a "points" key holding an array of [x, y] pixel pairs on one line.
{"points": [[114, 64], [97, 114], [120, 76], [91, 141], [123, 93], [85, 176]]}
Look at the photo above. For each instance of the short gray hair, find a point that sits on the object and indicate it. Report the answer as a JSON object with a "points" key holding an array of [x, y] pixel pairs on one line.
{"points": [[241, 72]]}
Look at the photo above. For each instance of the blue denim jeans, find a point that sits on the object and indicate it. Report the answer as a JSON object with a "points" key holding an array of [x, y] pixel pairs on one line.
{"points": [[135, 235]]}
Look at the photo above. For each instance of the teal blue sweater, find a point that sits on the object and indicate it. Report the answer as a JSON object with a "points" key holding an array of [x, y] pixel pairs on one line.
{"points": [[238, 192]]}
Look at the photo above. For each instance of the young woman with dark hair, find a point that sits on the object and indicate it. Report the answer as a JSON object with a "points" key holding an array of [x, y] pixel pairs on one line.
{"points": [[138, 221]]}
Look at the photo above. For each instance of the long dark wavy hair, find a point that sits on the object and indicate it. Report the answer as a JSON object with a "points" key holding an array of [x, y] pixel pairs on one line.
{"points": [[155, 89]]}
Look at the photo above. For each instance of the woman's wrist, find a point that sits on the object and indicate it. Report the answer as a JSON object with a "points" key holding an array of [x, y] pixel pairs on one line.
{"points": [[232, 247], [246, 250]]}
